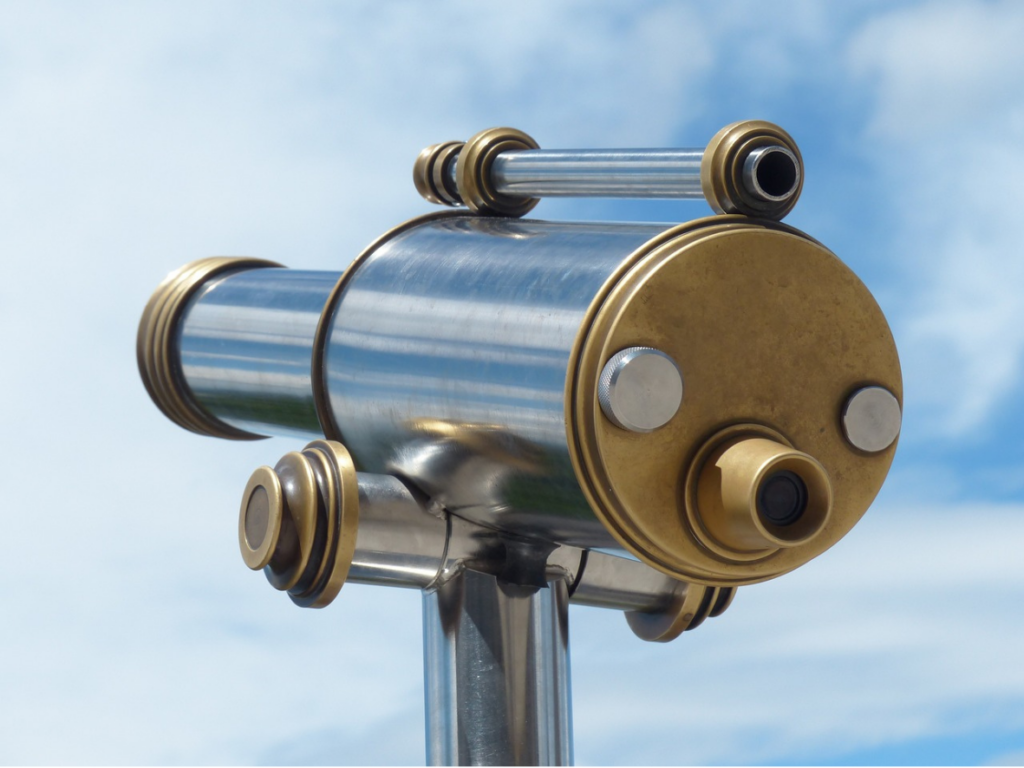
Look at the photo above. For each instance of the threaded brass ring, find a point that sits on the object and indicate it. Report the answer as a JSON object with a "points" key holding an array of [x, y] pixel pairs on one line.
{"points": [[474, 173], [430, 173], [157, 353]]}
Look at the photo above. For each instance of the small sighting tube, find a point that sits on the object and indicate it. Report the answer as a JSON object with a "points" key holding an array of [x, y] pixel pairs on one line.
{"points": [[751, 167], [662, 173]]}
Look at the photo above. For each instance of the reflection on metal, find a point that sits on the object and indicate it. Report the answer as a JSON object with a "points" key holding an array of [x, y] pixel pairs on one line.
{"points": [[498, 413]]}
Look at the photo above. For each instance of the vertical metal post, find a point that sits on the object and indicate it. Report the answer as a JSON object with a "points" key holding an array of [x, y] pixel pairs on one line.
{"points": [[496, 673]]}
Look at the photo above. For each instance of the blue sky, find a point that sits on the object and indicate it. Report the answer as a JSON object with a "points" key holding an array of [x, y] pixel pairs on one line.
{"points": [[138, 136]]}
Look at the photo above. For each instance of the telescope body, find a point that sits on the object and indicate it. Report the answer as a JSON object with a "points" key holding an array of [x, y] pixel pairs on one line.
{"points": [[470, 356], [513, 415]]}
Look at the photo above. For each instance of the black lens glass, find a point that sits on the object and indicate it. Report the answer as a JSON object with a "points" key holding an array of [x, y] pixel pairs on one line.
{"points": [[782, 498]]}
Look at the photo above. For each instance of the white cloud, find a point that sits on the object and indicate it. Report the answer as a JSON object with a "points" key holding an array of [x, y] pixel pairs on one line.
{"points": [[903, 632], [947, 133]]}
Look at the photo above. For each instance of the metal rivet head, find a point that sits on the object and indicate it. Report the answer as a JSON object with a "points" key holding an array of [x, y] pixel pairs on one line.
{"points": [[640, 389], [872, 419]]}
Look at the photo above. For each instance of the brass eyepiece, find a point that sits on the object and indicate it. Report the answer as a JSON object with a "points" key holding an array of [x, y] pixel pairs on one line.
{"points": [[297, 522], [755, 495]]}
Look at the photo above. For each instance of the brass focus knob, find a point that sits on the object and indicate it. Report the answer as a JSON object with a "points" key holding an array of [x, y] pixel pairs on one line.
{"points": [[755, 495], [297, 522]]}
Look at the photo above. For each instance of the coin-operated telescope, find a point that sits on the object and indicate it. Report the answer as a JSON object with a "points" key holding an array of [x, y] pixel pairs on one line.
{"points": [[512, 415]]}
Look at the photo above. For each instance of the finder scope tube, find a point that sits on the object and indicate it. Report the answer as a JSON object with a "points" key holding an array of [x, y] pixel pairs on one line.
{"points": [[751, 167]]}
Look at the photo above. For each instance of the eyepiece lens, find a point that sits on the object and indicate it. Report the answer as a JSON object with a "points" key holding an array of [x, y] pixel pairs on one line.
{"points": [[782, 498]]}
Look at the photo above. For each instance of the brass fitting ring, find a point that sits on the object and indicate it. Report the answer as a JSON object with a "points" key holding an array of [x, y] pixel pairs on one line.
{"points": [[430, 173], [473, 173], [687, 611], [157, 352], [722, 170], [298, 522]]}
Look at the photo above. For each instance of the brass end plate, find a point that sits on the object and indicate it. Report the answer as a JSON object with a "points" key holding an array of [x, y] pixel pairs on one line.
{"points": [[771, 333], [156, 345]]}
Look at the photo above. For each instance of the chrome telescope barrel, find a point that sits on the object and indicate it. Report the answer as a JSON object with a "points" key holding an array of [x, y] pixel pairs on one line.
{"points": [[565, 382], [246, 341], [752, 167]]}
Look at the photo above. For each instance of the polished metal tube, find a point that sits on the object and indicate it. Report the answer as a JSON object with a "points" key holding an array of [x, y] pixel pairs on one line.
{"points": [[607, 581], [447, 360], [496, 673], [245, 343], [771, 174], [398, 543], [666, 173]]}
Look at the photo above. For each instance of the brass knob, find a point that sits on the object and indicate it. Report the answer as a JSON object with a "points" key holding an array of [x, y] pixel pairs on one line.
{"points": [[297, 522], [755, 495]]}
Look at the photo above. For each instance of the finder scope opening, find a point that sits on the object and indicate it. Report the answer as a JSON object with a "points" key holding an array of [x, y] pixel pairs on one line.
{"points": [[772, 173]]}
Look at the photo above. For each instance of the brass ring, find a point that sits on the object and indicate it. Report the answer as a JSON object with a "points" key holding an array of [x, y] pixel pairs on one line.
{"points": [[429, 173], [686, 612], [343, 518], [156, 350], [721, 169], [474, 173]]}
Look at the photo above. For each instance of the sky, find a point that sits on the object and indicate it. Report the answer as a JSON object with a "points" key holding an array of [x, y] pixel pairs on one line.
{"points": [[136, 137]]}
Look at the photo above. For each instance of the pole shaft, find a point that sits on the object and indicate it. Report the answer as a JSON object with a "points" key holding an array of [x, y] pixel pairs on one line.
{"points": [[496, 673]]}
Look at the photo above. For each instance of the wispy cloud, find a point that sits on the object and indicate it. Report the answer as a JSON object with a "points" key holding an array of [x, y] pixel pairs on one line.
{"points": [[947, 136]]}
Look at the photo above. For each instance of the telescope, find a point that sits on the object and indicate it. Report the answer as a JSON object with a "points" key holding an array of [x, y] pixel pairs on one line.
{"points": [[512, 414]]}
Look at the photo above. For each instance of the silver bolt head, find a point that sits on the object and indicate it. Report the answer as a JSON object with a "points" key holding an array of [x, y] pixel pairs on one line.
{"points": [[640, 389], [872, 419]]}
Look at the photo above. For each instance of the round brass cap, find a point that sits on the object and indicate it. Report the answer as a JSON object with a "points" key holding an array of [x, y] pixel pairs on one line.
{"points": [[771, 333], [157, 352], [298, 521], [474, 173], [260, 518], [725, 165]]}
